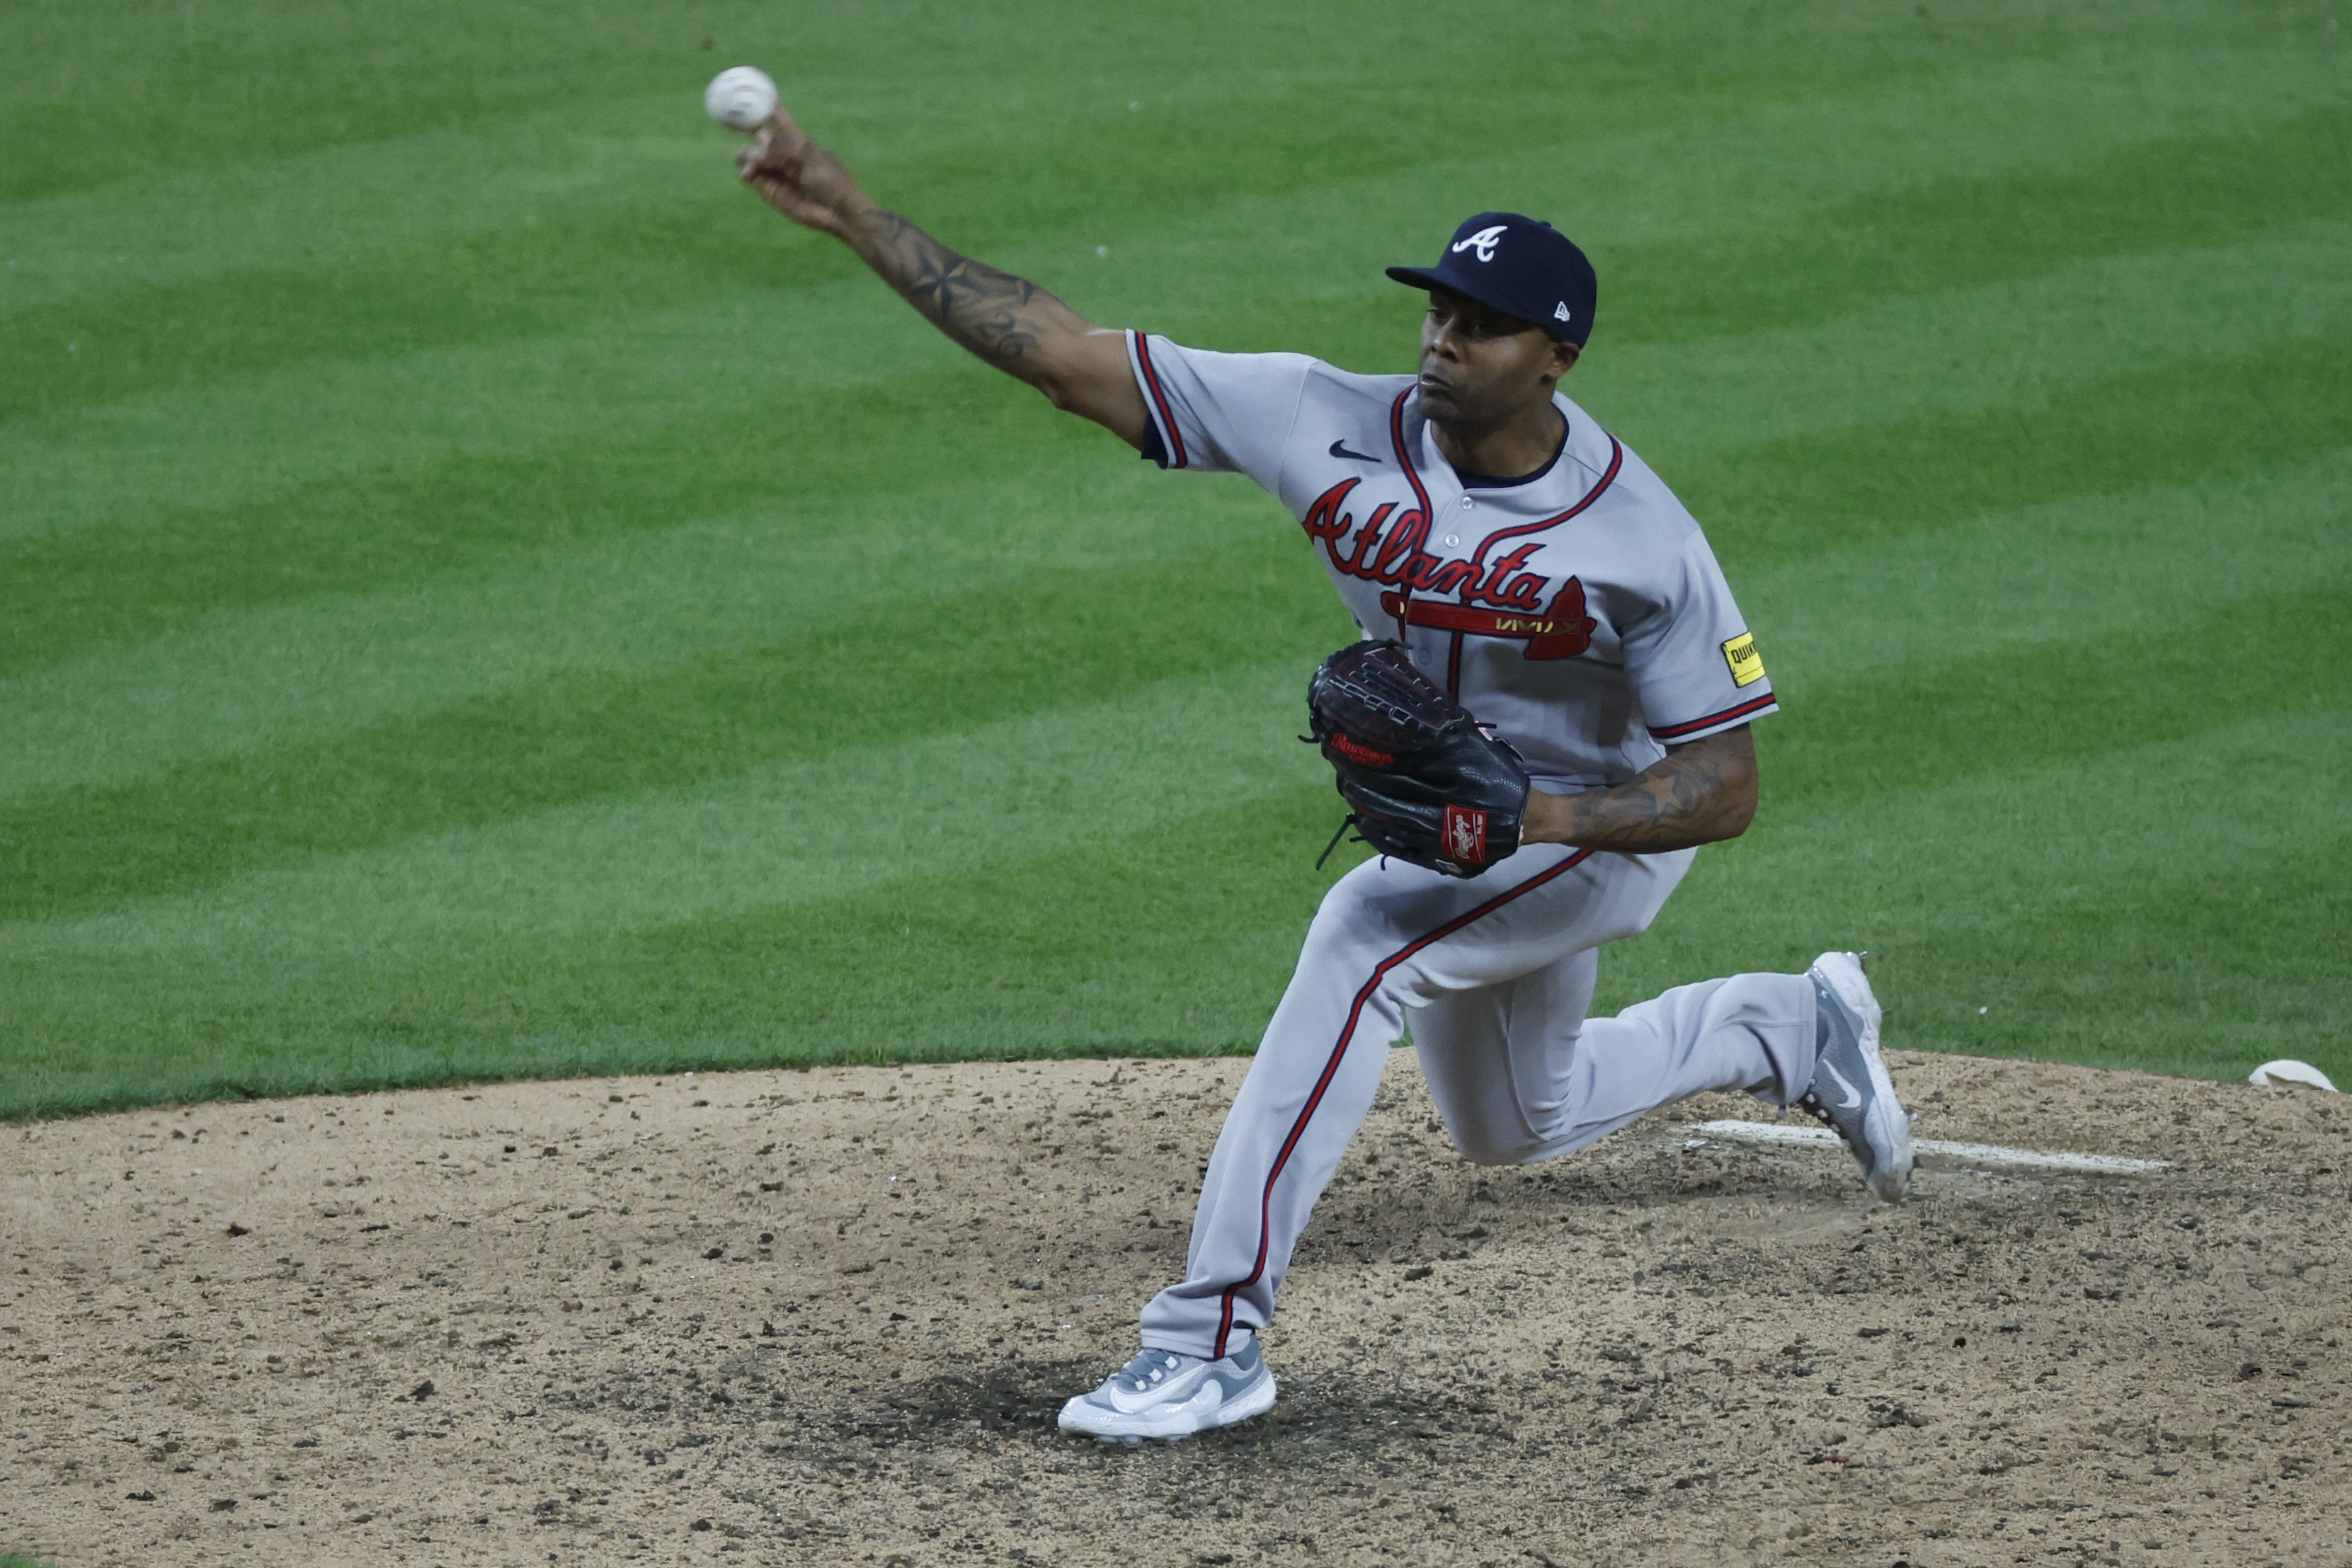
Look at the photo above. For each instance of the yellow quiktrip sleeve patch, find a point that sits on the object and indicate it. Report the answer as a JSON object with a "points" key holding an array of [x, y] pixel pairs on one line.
{"points": [[1746, 664]]}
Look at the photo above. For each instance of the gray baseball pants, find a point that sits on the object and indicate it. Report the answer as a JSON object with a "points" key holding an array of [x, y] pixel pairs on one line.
{"points": [[1500, 970]]}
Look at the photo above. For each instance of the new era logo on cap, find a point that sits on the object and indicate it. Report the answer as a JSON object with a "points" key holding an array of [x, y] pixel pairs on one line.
{"points": [[1539, 276]]}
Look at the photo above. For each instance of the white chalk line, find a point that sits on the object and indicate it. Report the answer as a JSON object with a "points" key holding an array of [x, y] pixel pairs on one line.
{"points": [[1975, 1154]]}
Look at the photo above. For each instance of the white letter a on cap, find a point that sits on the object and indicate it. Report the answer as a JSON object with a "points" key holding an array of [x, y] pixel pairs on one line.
{"points": [[1484, 239]]}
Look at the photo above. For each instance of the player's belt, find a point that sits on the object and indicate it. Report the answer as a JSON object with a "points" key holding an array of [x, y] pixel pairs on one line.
{"points": [[1546, 636]]}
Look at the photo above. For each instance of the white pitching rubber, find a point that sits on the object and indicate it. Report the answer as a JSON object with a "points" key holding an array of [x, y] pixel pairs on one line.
{"points": [[1974, 1153]]}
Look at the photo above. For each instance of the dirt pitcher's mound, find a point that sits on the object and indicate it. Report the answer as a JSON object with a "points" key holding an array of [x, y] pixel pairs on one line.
{"points": [[826, 1317]]}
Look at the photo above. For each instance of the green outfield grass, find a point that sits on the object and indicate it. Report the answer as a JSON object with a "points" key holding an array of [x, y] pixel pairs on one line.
{"points": [[480, 596]]}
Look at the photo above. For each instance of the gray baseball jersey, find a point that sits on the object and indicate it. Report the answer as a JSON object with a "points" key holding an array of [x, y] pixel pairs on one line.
{"points": [[1580, 609]]}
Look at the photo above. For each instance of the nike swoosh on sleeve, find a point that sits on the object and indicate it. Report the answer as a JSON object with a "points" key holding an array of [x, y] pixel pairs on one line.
{"points": [[1339, 449]]}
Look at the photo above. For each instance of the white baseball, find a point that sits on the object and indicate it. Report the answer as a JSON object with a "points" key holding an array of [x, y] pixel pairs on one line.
{"points": [[741, 96]]}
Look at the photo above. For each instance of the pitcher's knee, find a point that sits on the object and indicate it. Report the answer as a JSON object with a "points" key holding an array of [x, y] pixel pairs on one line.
{"points": [[1485, 1146]]}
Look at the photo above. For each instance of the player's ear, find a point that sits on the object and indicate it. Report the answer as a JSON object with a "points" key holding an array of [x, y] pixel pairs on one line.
{"points": [[1563, 358]]}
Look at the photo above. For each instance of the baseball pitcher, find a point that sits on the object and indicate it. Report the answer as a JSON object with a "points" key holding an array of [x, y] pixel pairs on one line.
{"points": [[1547, 714]]}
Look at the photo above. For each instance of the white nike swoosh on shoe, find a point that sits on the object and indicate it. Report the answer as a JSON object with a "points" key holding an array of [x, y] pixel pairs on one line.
{"points": [[1853, 1096], [1172, 1391]]}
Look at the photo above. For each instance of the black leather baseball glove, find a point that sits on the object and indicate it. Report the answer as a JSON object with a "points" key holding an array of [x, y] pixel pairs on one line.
{"points": [[1423, 781]]}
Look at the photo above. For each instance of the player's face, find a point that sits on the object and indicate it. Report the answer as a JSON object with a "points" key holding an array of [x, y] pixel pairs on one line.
{"points": [[1479, 367]]}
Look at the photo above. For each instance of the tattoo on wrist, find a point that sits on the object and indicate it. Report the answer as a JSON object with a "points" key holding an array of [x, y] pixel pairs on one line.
{"points": [[1678, 802]]}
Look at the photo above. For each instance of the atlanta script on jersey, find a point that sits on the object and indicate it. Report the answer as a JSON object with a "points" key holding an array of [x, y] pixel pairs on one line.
{"points": [[1578, 610]]}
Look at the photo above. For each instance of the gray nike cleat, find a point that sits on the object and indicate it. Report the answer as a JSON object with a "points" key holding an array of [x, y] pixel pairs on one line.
{"points": [[1851, 1090], [1161, 1394]]}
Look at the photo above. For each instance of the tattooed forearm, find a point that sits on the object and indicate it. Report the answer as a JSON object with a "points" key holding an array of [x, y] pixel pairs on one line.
{"points": [[1008, 321], [1696, 794], [997, 316]]}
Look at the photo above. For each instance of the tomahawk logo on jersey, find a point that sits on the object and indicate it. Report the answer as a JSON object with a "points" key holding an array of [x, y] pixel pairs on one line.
{"points": [[1578, 609]]}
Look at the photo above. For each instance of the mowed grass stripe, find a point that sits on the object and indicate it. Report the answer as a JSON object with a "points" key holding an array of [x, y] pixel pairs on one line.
{"points": [[542, 278], [799, 831], [687, 234], [1972, 349], [1941, 233], [1179, 938], [1690, 181], [2131, 909], [2040, 705], [2145, 566], [973, 150], [1961, 349], [630, 603], [521, 283], [340, 78], [1176, 939], [245, 438], [252, 83], [2072, 570], [326, 208], [911, 457], [1106, 769], [1362, 149], [243, 82], [1785, 503], [1051, 638]]}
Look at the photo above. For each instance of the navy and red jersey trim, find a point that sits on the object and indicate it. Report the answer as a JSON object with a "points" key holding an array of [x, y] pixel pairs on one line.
{"points": [[1403, 455], [1608, 477], [1740, 710], [1331, 1071], [1407, 613], [1428, 517], [1160, 401]]}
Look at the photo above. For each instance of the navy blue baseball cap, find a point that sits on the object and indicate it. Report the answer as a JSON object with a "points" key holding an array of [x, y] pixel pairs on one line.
{"points": [[1511, 263]]}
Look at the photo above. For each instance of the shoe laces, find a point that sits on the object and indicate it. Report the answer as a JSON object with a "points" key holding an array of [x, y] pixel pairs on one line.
{"points": [[1813, 1105], [1151, 1369]]}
